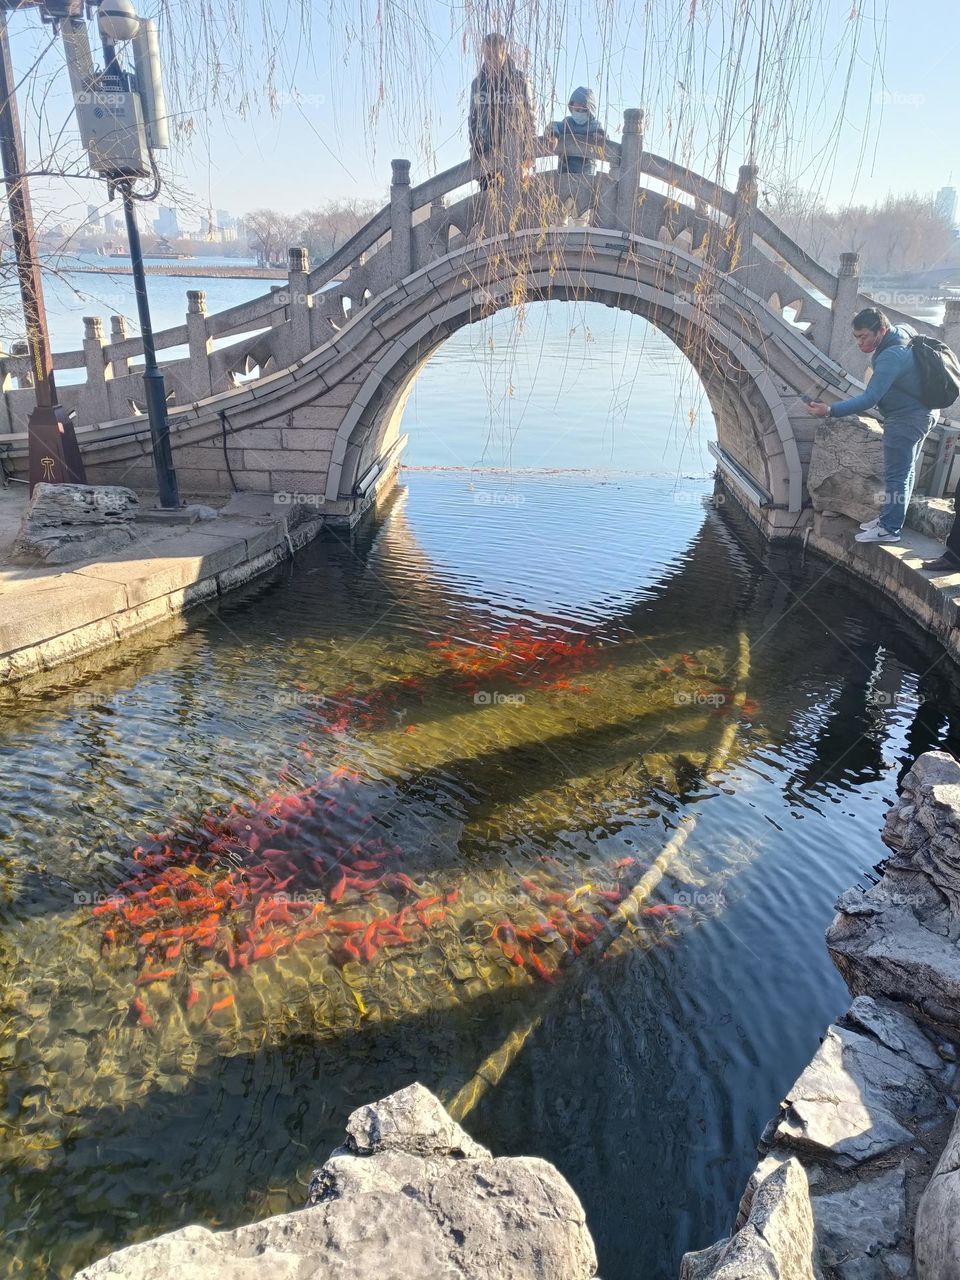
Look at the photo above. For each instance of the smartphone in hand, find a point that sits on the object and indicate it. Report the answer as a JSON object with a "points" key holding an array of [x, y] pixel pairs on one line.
{"points": [[808, 399]]}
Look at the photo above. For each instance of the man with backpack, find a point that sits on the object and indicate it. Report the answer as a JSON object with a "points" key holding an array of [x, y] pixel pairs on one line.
{"points": [[897, 389]]}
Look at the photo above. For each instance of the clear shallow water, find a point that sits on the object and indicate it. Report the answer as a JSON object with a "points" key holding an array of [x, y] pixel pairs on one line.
{"points": [[361, 713]]}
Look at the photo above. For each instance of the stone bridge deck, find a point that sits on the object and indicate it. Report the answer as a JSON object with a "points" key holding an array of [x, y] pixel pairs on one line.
{"points": [[302, 389]]}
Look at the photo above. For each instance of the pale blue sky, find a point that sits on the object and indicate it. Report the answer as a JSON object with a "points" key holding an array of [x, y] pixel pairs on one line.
{"points": [[321, 143]]}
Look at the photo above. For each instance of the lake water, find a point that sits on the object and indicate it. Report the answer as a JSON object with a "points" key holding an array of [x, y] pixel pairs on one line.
{"points": [[374, 816]]}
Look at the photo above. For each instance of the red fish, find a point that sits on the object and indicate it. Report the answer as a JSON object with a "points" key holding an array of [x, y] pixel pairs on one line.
{"points": [[218, 1005], [345, 926], [141, 1009], [541, 969], [663, 909], [162, 975]]}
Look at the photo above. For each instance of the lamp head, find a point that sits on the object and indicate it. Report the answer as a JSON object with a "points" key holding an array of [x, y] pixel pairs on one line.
{"points": [[118, 20]]}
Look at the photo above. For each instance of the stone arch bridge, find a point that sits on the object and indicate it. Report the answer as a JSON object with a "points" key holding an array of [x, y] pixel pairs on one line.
{"points": [[300, 392]]}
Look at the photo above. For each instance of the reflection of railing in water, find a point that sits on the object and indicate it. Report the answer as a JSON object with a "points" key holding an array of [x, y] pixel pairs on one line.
{"points": [[492, 1070]]}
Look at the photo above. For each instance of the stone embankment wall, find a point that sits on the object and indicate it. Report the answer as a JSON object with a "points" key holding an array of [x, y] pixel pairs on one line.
{"points": [[860, 1171]]}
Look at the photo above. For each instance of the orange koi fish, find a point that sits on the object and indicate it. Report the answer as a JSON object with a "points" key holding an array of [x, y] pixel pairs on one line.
{"points": [[162, 975], [141, 1009]]}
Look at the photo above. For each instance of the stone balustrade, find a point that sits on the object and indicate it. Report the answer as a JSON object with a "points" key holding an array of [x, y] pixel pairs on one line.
{"points": [[635, 191]]}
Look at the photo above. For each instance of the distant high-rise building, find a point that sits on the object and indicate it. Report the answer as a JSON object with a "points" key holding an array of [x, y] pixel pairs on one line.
{"points": [[93, 217], [166, 223], [110, 224], [224, 220], [946, 204]]}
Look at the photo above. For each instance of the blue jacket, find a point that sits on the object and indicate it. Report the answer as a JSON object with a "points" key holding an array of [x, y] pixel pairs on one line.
{"points": [[590, 134], [895, 386]]}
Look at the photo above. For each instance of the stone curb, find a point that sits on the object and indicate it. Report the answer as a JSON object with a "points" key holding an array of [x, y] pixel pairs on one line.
{"points": [[92, 607], [894, 569]]}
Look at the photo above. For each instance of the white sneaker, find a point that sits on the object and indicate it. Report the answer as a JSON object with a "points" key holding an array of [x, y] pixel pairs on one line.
{"points": [[877, 534], [870, 524]]}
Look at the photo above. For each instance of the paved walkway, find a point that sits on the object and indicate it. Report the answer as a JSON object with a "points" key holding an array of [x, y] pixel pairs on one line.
{"points": [[53, 614]]}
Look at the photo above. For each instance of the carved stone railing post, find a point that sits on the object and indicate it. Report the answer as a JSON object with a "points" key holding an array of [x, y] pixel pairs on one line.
{"points": [[95, 406], [843, 348], [739, 240], [401, 220], [199, 343], [118, 333], [298, 269], [628, 180]]}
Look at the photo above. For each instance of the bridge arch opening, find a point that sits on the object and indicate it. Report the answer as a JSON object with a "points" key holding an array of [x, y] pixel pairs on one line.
{"points": [[559, 385], [724, 338]]}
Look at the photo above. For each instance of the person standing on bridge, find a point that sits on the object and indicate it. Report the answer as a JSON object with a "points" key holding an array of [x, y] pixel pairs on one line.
{"points": [[580, 131], [894, 388], [501, 122]]}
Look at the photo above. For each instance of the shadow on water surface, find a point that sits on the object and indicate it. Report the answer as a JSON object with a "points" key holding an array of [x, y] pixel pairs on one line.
{"points": [[648, 1083]]}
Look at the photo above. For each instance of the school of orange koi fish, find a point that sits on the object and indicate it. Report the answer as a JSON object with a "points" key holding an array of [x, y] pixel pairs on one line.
{"points": [[303, 868]]}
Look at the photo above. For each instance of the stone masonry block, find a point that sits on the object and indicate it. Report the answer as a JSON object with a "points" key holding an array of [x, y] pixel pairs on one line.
{"points": [[300, 438], [255, 438], [292, 460], [337, 397], [200, 455], [306, 484], [246, 480], [319, 416], [198, 479]]}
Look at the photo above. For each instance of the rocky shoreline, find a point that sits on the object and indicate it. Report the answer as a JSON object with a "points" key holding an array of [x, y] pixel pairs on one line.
{"points": [[859, 1176]]}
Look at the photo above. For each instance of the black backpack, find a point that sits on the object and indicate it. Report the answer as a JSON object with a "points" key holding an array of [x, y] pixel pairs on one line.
{"points": [[939, 371]]}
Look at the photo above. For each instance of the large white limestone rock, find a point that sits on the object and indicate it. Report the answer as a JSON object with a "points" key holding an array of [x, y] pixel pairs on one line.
{"points": [[68, 522], [410, 1195], [937, 1228], [901, 938], [777, 1241]]}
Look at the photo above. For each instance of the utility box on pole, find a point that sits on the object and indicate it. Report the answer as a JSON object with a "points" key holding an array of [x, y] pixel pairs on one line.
{"points": [[112, 129]]}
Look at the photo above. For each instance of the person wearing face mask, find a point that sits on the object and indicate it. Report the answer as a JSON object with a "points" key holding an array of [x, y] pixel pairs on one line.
{"points": [[579, 131]]}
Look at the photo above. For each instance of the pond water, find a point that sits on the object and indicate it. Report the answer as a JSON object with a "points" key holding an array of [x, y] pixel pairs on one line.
{"points": [[395, 808]]}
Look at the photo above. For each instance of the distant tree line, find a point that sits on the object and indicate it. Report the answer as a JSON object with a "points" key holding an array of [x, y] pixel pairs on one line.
{"points": [[899, 234], [322, 230]]}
